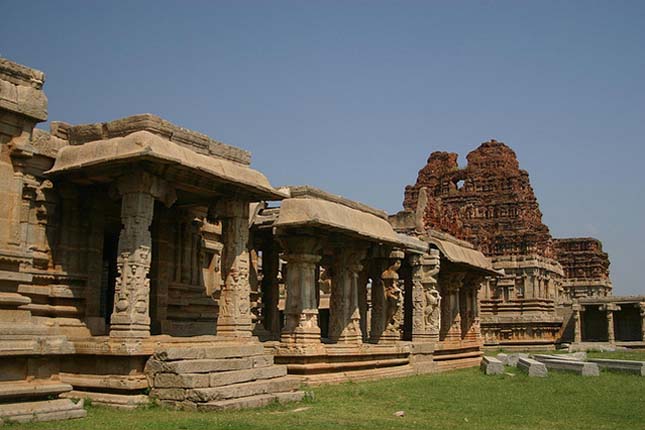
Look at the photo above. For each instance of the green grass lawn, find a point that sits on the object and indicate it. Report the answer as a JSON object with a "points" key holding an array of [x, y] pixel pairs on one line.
{"points": [[464, 399]]}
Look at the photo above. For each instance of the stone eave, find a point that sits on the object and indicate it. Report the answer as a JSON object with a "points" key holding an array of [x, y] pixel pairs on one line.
{"points": [[310, 213], [144, 146], [462, 253], [610, 299]]}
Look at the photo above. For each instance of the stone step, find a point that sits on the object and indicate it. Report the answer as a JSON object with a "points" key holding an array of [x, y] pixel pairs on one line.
{"points": [[121, 401], [10, 389], [154, 366], [217, 379], [245, 389], [628, 366], [252, 401], [45, 410], [580, 367], [225, 350]]}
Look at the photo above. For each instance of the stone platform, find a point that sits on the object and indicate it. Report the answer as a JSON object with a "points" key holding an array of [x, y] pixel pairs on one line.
{"points": [[331, 363]]}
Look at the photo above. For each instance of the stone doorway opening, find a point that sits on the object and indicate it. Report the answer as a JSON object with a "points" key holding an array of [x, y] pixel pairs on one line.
{"points": [[594, 325]]}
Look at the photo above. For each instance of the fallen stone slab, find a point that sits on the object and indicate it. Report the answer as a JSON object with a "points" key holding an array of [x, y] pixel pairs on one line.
{"points": [[628, 366], [491, 365], [583, 368], [532, 367], [503, 358], [573, 357]]}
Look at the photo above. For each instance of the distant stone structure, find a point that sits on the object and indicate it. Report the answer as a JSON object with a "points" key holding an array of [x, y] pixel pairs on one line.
{"points": [[491, 204], [586, 268]]}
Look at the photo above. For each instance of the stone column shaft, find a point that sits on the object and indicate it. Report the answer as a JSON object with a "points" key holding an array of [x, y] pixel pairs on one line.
{"points": [[611, 337], [234, 319], [577, 317], [387, 300], [426, 314], [301, 312], [130, 317], [344, 321]]}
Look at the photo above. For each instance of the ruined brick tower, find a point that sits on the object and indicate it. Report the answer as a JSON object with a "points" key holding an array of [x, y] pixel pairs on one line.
{"points": [[489, 203]]}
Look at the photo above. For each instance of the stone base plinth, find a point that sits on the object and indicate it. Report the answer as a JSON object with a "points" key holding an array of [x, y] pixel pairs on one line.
{"points": [[337, 362]]}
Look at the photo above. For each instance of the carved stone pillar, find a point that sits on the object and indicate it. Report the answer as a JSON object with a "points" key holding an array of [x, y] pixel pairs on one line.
{"points": [[301, 313], [577, 318], [271, 288], [234, 319], [387, 300], [451, 319], [610, 308], [426, 301], [130, 317], [344, 315]]}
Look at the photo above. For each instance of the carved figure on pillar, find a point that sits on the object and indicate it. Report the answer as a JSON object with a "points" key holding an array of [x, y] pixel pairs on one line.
{"points": [[387, 312], [426, 300]]}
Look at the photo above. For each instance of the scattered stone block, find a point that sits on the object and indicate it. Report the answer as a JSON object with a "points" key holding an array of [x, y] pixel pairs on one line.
{"points": [[628, 366], [491, 365], [532, 367], [503, 358]]}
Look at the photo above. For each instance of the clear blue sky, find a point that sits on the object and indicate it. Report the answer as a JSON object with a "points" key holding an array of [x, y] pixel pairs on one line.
{"points": [[353, 96]]}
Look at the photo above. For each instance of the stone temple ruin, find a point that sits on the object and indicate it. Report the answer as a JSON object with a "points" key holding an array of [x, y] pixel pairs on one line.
{"points": [[143, 261]]}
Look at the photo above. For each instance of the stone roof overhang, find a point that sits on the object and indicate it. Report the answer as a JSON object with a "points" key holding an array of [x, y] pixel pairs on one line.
{"points": [[610, 299], [101, 160], [462, 253], [303, 213]]}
